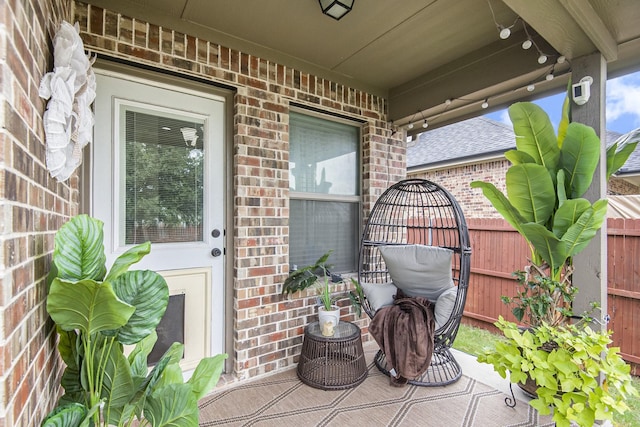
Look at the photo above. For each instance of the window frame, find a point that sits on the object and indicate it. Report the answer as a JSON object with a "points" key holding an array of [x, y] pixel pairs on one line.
{"points": [[356, 199]]}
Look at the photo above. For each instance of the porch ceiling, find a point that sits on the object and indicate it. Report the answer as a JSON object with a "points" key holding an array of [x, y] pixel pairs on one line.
{"points": [[417, 53]]}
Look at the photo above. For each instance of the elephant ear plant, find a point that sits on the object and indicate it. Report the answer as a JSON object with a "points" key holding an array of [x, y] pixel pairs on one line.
{"points": [[96, 313]]}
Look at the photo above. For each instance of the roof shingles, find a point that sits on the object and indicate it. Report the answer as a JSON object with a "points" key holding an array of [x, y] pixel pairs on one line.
{"points": [[476, 138]]}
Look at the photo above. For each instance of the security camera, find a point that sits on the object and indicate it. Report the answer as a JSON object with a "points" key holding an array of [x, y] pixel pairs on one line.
{"points": [[581, 91]]}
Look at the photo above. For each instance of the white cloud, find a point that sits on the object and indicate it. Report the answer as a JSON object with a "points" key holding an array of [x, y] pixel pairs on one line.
{"points": [[623, 97], [504, 118]]}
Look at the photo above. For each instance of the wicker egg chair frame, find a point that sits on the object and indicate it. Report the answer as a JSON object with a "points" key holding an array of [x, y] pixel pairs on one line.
{"points": [[417, 211]]}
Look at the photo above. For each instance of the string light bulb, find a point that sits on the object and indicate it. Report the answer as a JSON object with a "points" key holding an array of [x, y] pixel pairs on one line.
{"points": [[531, 88], [542, 58], [447, 102], [505, 32], [485, 104], [425, 124], [561, 59], [527, 44], [549, 76], [410, 126]]}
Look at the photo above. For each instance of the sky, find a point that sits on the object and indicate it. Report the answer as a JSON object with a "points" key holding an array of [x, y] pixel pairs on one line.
{"points": [[622, 110]]}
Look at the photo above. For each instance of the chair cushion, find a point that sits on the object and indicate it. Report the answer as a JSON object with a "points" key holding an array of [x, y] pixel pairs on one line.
{"points": [[379, 294], [444, 306], [419, 270]]}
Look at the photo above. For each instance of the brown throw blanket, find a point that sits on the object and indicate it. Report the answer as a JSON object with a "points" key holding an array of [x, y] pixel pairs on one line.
{"points": [[405, 332]]}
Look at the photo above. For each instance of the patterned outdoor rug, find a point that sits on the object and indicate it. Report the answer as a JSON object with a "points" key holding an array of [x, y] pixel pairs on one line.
{"points": [[283, 400]]}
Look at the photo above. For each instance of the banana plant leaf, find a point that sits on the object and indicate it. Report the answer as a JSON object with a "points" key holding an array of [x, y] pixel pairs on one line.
{"points": [[549, 247], [517, 157], [579, 158], [87, 306], [568, 214], [565, 117], [531, 191], [501, 203], [580, 234], [79, 250], [620, 150], [534, 134], [148, 292]]}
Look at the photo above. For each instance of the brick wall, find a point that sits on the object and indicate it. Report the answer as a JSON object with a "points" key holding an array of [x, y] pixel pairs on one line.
{"points": [[457, 179], [474, 205], [267, 328], [33, 206]]}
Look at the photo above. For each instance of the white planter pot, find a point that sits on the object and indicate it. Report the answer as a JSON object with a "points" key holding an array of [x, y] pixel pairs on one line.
{"points": [[328, 320]]}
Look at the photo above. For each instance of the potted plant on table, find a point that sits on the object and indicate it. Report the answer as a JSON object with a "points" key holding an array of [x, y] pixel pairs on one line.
{"points": [[544, 203], [96, 313], [328, 311]]}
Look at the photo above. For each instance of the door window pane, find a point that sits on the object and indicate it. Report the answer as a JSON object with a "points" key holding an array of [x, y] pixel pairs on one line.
{"points": [[163, 174]]}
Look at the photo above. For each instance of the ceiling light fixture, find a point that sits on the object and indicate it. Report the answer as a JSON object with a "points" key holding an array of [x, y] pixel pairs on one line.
{"points": [[336, 9]]}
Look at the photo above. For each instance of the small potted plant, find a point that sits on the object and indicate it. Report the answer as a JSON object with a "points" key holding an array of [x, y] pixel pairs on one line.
{"points": [[317, 276]]}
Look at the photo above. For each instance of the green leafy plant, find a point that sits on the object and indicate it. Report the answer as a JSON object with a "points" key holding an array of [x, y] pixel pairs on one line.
{"points": [[317, 275], [541, 299], [565, 362], [544, 187], [96, 313], [546, 182]]}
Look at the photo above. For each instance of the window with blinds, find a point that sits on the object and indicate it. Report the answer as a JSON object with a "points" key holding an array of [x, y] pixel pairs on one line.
{"points": [[324, 165]]}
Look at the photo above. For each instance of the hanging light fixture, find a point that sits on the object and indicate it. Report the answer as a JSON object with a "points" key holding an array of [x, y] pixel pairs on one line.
{"points": [[336, 8]]}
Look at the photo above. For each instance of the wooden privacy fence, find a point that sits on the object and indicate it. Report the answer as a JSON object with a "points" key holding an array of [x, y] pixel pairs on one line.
{"points": [[498, 251]]}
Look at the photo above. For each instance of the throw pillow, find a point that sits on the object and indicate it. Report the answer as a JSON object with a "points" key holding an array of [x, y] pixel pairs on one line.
{"points": [[379, 294], [419, 270], [444, 306]]}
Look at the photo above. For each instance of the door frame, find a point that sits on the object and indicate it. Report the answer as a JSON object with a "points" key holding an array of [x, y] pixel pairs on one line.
{"points": [[162, 77]]}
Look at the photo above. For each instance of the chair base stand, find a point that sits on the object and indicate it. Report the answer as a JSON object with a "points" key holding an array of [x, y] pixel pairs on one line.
{"points": [[444, 369]]}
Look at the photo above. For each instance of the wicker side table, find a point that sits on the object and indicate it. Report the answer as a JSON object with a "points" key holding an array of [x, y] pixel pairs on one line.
{"points": [[332, 363]]}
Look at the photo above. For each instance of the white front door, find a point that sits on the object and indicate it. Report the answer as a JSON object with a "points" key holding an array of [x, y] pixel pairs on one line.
{"points": [[158, 175]]}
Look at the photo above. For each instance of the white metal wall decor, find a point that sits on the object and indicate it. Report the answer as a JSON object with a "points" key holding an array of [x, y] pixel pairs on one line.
{"points": [[70, 89]]}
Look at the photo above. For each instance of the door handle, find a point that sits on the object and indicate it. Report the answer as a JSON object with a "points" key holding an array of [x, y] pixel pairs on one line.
{"points": [[216, 252]]}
